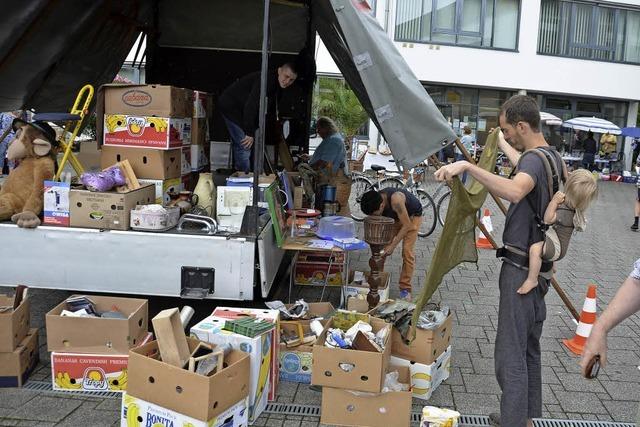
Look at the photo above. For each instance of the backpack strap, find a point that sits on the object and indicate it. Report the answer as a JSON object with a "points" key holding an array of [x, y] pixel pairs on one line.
{"points": [[549, 161]]}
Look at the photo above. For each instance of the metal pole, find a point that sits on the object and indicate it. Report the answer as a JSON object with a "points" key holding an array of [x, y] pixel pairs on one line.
{"points": [[563, 296], [258, 149]]}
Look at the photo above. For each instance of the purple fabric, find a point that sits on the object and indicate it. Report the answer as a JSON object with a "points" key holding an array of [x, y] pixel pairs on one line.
{"points": [[103, 181]]}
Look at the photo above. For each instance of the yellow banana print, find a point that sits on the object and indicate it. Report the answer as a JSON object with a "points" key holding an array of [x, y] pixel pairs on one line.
{"points": [[158, 123], [133, 411], [113, 121], [120, 382], [265, 367], [63, 380]]}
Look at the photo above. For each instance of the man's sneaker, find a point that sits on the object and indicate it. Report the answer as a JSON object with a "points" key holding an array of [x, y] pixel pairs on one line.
{"points": [[634, 227], [405, 295]]}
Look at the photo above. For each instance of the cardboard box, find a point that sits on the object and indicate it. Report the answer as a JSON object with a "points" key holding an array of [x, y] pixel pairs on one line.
{"points": [[199, 131], [56, 203], [360, 291], [185, 161], [14, 325], [426, 378], [161, 133], [108, 210], [199, 158], [142, 413], [95, 335], [296, 362], [260, 350], [351, 408], [91, 372], [197, 396], [272, 316], [163, 187], [428, 345], [148, 100], [367, 368], [17, 365], [147, 163]]}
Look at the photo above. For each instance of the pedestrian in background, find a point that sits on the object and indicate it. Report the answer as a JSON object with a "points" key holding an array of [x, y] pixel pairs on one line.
{"points": [[6, 119]]}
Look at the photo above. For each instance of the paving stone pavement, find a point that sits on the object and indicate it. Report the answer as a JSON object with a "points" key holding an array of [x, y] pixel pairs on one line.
{"points": [[603, 254]]}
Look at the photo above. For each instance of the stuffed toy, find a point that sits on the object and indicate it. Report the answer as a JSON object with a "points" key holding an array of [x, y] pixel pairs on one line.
{"points": [[21, 196]]}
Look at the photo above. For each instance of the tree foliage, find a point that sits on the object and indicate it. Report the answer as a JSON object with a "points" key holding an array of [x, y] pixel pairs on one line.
{"points": [[334, 99]]}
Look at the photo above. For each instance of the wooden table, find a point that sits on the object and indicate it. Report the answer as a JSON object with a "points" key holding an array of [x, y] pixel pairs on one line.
{"points": [[302, 244]]}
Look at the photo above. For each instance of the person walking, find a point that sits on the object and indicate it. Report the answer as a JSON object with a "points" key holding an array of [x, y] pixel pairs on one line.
{"points": [[520, 317], [6, 121], [590, 149], [406, 210], [634, 226]]}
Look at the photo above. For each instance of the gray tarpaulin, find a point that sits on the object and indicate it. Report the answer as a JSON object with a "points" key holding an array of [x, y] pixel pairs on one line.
{"points": [[392, 95]]}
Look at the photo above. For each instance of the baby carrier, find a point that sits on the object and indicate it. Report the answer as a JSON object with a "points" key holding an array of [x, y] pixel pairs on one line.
{"points": [[554, 177]]}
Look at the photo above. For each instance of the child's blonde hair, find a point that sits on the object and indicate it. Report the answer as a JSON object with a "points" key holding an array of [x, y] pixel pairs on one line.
{"points": [[580, 190]]}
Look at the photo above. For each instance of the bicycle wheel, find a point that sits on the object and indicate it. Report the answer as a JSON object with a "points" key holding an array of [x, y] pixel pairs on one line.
{"points": [[359, 186], [428, 213], [391, 182], [443, 205]]}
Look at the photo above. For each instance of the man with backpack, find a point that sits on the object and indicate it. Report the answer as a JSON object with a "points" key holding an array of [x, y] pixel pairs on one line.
{"points": [[520, 317]]}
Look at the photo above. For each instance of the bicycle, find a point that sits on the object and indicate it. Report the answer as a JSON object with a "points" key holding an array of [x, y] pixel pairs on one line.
{"points": [[361, 183]]}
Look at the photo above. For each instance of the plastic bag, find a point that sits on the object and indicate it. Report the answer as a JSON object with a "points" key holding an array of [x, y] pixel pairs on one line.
{"points": [[391, 383], [439, 417], [103, 181]]}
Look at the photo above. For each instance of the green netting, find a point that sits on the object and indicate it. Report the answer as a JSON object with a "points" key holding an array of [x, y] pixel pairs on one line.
{"points": [[457, 242]]}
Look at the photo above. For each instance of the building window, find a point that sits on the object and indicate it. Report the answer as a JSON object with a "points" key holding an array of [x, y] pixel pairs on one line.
{"points": [[489, 24], [589, 31]]}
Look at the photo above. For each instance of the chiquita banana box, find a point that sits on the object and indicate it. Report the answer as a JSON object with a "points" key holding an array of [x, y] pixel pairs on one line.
{"points": [[89, 372], [139, 413], [148, 132]]}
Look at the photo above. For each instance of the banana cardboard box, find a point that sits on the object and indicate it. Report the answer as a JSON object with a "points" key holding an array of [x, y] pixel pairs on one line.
{"points": [[163, 188], [260, 350], [272, 316], [139, 413], [426, 378], [90, 372], [163, 133], [16, 366]]}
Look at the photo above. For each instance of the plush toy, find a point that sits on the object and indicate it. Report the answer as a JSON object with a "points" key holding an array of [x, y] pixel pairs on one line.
{"points": [[21, 196]]}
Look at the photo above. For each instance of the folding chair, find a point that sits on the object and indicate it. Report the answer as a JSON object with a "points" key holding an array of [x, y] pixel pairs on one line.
{"points": [[73, 125]]}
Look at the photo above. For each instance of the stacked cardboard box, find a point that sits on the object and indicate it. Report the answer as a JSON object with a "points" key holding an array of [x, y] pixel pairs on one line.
{"points": [[18, 343], [151, 126], [161, 393], [353, 381], [428, 357], [263, 350], [296, 362], [92, 353]]}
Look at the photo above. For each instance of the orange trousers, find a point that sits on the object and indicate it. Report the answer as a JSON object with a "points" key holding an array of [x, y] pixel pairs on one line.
{"points": [[408, 252]]}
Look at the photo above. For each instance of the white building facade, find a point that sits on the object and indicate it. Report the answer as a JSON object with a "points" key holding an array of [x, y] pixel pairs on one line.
{"points": [[577, 58]]}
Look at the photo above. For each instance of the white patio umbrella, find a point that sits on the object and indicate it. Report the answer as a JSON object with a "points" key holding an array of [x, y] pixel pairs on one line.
{"points": [[550, 119], [592, 124]]}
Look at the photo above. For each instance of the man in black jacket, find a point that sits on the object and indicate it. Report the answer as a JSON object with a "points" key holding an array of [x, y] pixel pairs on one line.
{"points": [[239, 105]]}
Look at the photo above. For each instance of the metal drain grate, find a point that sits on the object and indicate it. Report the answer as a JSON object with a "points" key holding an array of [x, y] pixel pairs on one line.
{"points": [[45, 386], [578, 423], [465, 420]]}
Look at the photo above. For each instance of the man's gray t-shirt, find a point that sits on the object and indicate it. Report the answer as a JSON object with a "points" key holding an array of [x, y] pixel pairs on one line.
{"points": [[520, 229]]}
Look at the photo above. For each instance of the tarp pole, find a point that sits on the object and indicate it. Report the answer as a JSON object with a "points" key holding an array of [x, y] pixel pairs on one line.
{"points": [[258, 149]]}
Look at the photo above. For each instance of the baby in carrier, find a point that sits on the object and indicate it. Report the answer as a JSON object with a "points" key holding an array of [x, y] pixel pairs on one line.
{"points": [[564, 213]]}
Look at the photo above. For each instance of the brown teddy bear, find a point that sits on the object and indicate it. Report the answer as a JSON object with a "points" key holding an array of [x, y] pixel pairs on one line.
{"points": [[21, 196]]}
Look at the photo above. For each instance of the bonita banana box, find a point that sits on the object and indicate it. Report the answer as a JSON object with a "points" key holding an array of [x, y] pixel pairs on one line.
{"points": [[163, 133], [138, 413], [426, 378], [90, 372]]}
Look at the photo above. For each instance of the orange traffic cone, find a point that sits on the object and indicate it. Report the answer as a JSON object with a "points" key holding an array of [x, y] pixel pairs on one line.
{"points": [[482, 242], [587, 319]]}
